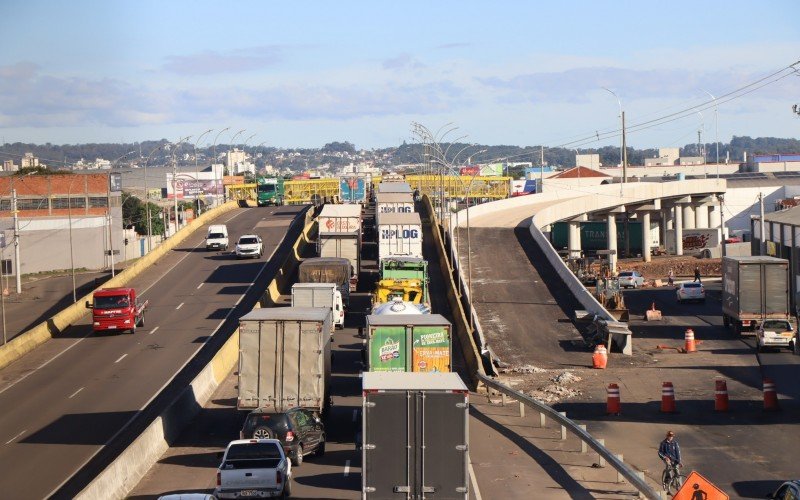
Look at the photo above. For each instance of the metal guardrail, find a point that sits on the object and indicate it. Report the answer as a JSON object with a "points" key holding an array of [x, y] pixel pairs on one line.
{"points": [[635, 478]]}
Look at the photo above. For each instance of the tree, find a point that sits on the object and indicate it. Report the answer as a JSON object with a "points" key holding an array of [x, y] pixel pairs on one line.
{"points": [[134, 214]]}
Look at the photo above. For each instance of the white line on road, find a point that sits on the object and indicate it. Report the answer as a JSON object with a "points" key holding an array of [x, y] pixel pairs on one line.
{"points": [[121, 358], [23, 432], [240, 299], [75, 393], [474, 482], [154, 330], [200, 285], [347, 468], [179, 306], [355, 415]]}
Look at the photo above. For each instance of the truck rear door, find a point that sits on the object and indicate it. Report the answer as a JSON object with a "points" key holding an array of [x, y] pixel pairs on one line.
{"points": [[776, 290], [387, 435], [442, 450]]}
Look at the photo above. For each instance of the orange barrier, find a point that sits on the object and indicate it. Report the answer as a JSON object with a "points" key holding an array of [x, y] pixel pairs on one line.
{"points": [[600, 357], [690, 345], [770, 395], [612, 400], [721, 395], [667, 398]]}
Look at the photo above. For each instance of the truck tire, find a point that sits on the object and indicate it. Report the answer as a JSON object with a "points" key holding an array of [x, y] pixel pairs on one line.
{"points": [[287, 488]]}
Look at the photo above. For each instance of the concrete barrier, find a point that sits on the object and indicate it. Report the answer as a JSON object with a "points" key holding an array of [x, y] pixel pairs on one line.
{"points": [[460, 324], [44, 331]]}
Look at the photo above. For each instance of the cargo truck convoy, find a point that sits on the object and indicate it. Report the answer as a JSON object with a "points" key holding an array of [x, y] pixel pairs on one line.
{"points": [[754, 289], [415, 436], [284, 359]]}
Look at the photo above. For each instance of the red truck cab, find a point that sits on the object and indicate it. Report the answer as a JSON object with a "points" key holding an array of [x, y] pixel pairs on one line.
{"points": [[116, 309]]}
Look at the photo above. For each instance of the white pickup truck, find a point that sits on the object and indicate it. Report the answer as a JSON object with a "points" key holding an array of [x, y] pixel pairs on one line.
{"points": [[254, 468]]}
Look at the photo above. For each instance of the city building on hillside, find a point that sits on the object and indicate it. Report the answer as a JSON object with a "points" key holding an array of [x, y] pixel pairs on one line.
{"points": [[50, 207], [9, 166], [29, 161]]}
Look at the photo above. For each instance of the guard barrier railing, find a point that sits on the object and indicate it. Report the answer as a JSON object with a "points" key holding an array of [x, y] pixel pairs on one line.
{"points": [[635, 478]]}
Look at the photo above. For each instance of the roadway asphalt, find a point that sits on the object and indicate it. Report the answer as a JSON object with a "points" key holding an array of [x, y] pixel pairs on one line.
{"points": [[511, 457], [70, 397]]}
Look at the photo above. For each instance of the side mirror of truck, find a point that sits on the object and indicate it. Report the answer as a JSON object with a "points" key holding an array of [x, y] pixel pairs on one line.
{"points": [[88, 305]]}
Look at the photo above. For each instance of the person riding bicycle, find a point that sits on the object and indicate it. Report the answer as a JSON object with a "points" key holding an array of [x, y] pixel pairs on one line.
{"points": [[669, 451]]}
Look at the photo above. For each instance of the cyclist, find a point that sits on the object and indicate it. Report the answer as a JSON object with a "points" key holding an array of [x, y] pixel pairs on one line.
{"points": [[670, 452]]}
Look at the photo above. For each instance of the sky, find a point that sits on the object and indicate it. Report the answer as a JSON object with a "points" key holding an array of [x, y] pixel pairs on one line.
{"points": [[303, 73]]}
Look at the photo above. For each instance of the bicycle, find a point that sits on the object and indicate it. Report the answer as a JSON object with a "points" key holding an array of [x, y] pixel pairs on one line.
{"points": [[671, 478]]}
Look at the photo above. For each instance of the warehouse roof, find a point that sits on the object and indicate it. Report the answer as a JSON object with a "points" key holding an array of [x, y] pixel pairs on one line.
{"points": [[790, 216]]}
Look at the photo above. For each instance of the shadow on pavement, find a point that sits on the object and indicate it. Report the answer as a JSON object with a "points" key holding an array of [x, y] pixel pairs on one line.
{"points": [[81, 429]]}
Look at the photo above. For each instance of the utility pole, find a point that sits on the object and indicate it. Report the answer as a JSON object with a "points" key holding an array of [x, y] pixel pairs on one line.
{"points": [[16, 240], [541, 174], [3, 303], [110, 241], [722, 222], [763, 245]]}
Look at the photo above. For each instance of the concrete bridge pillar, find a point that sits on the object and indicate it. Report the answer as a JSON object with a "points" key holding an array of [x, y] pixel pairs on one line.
{"points": [[701, 216], [669, 222], [678, 230], [574, 244], [612, 242], [645, 236], [688, 216], [714, 215]]}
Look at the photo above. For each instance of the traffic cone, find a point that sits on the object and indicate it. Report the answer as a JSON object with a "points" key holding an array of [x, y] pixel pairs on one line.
{"points": [[600, 357], [667, 398], [721, 395], [770, 395], [612, 400], [689, 341]]}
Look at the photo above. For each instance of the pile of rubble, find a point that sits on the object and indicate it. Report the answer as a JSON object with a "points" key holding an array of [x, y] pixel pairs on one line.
{"points": [[558, 390]]}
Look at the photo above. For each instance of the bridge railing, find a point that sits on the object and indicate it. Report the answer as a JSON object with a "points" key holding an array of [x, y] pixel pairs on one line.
{"points": [[635, 478]]}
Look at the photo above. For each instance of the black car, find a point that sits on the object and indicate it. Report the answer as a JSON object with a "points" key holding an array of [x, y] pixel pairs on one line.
{"points": [[300, 431]]}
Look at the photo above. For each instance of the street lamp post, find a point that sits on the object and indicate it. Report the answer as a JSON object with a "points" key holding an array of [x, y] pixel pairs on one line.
{"points": [[147, 199], [214, 147], [233, 145], [121, 157], [175, 178], [716, 126], [623, 150], [196, 172]]}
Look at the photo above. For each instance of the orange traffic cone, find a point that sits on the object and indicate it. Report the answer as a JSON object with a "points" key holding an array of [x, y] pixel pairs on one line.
{"points": [[667, 398], [721, 395], [600, 357], [689, 338], [770, 395], [612, 400]]}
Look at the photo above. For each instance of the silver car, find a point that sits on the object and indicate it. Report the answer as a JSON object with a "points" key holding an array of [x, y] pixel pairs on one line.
{"points": [[691, 291], [630, 279]]}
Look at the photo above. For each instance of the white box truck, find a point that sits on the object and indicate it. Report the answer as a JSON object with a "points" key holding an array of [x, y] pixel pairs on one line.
{"points": [[415, 436], [284, 358], [340, 236], [400, 235], [320, 295]]}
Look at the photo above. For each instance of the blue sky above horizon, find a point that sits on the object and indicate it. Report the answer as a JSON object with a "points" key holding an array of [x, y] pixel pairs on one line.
{"points": [[305, 74]]}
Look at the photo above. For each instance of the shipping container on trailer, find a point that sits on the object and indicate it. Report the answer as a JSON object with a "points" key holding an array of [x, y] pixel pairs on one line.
{"points": [[408, 342], [394, 187], [336, 270], [754, 289], [400, 235], [389, 203], [284, 358], [415, 436], [353, 189], [340, 236]]}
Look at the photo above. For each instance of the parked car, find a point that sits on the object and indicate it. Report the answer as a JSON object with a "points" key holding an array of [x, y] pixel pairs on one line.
{"points": [[300, 431], [630, 279], [775, 333], [249, 245], [790, 490], [691, 291], [254, 468]]}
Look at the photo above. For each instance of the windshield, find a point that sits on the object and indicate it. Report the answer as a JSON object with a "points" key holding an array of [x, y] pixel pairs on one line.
{"points": [[266, 188], [248, 241], [111, 302], [216, 236], [625, 274], [776, 325]]}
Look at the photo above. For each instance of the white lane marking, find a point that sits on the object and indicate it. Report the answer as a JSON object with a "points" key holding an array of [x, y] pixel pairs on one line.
{"points": [[355, 415], [474, 482], [179, 306], [200, 285], [15, 437], [154, 330], [347, 468], [75, 393], [9, 386], [121, 358], [240, 299]]}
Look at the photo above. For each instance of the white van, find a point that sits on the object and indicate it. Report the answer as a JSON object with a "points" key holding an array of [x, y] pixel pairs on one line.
{"points": [[217, 237], [320, 295]]}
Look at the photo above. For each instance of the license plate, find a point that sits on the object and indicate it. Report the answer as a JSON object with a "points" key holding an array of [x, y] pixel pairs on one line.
{"points": [[787, 334], [112, 327], [248, 493]]}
